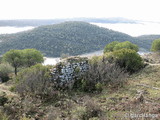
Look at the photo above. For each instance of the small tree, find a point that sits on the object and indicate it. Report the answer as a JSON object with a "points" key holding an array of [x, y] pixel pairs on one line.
{"points": [[23, 58], [155, 45], [32, 57], [15, 58]]}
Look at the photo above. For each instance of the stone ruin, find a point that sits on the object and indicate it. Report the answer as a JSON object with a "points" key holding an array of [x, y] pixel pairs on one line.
{"points": [[68, 70]]}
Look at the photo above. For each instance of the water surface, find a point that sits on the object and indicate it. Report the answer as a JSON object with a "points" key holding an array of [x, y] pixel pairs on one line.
{"points": [[9, 29]]}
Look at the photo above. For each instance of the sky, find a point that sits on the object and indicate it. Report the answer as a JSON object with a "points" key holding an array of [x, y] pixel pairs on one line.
{"points": [[146, 10]]}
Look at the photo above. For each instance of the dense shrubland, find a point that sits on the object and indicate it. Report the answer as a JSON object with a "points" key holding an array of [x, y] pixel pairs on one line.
{"points": [[37, 79], [36, 88], [109, 69], [110, 73]]}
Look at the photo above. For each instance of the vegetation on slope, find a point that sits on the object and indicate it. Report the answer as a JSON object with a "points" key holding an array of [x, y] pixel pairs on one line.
{"points": [[140, 95], [105, 92], [155, 45], [70, 37], [145, 41]]}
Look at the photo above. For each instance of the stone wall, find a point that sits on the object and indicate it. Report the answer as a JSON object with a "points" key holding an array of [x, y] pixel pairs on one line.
{"points": [[66, 72]]}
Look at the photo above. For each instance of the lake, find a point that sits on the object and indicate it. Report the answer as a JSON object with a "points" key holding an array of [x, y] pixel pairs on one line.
{"points": [[53, 61], [9, 30]]}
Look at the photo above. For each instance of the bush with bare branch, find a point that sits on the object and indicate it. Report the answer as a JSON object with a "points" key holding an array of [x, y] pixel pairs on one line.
{"points": [[100, 73], [35, 81]]}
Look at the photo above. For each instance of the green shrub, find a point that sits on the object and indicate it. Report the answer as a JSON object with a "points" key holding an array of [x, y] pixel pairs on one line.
{"points": [[5, 70], [120, 45], [34, 81], [99, 87], [110, 47], [128, 59], [155, 45], [95, 59], [127, 45]]}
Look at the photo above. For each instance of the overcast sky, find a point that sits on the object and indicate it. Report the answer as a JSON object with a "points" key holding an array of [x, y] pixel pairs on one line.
{"points": [[147, 10]]}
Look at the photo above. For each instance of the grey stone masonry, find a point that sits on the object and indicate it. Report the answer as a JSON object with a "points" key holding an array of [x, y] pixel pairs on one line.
{"points": [[70, 69]]}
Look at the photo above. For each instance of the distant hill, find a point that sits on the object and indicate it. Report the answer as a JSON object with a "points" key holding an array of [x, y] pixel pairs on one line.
{"points": [[69, 37]]}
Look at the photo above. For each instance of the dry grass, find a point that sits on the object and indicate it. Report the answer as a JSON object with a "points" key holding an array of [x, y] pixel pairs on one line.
{"points": [[6, 89], [140, 95]]}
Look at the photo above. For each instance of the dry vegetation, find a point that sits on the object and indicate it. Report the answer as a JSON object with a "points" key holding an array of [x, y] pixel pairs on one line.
{"points": [[139, 95]]}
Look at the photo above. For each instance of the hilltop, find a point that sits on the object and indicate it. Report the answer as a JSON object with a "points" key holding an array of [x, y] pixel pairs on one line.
{"points": [[71, 38]]}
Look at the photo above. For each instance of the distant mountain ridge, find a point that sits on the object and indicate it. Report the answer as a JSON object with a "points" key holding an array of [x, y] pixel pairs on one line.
{"points": [[40, 22], [72, 38]]}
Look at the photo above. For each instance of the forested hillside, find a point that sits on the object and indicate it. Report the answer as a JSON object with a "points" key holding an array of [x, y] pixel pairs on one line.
{"points": [[145, 41], [69, 37]]}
